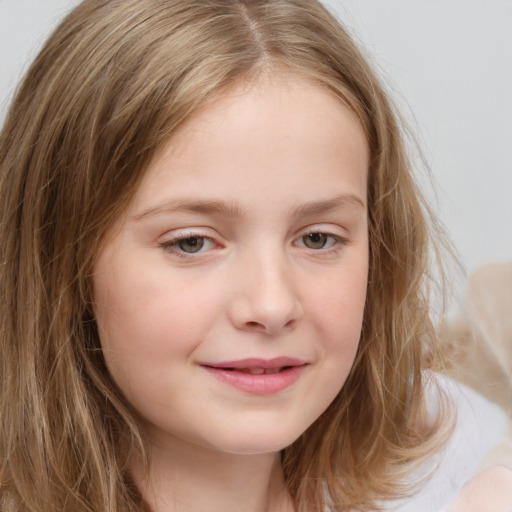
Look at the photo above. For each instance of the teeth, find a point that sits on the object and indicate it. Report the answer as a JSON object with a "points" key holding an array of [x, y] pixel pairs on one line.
{"points": [[255, 371], [261, 371]]}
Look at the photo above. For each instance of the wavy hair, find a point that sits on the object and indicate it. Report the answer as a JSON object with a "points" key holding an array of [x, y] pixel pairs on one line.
{"points": [[108, 89]]}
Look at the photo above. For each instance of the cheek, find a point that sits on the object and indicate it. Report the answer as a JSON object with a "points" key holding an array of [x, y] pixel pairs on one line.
{"points": [[336, 315], [143, 321], [339, 302], [338, 310]]}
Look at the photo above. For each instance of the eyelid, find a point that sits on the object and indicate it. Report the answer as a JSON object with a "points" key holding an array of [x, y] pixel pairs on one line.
{"points": [[327, 229]]}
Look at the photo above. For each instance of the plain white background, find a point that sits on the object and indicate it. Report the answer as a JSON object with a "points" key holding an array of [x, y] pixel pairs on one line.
{"points": [[449, 66]]}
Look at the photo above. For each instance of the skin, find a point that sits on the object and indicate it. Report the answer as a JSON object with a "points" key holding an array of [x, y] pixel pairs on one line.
{"points": [[258, 287], [489, 491]]}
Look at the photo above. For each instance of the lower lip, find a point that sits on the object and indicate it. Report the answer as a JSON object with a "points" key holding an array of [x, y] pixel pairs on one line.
{"points": [[262, 384]]}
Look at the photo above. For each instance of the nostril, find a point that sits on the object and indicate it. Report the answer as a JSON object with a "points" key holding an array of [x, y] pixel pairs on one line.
{"points": [[258, 326], [291, 323], [254, 325]]}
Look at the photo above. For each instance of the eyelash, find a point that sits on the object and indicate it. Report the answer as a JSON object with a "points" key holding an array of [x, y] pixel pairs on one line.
{"points": [[172, 245]]}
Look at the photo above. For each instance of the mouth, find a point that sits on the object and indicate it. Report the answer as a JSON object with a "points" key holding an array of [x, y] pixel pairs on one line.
{"points": [[258, 376], [258, 371]]}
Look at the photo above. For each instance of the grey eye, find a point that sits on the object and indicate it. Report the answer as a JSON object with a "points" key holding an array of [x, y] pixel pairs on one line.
{"points": [[315, 240], [191, 244]]}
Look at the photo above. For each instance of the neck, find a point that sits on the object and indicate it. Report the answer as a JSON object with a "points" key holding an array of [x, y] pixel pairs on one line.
{"points": [[190, 478]]}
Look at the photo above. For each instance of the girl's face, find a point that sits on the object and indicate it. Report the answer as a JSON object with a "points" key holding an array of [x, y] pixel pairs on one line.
{"points": [[230, 297]]}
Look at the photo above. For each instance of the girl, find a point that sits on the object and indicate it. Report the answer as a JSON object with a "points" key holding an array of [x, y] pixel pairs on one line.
{"points": [[214, 268]]}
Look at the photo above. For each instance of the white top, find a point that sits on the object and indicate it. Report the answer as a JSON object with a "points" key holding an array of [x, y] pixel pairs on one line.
{"points": [[480, 426]]}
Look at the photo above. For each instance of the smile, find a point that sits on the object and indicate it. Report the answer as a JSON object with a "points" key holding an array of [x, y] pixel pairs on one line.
{"points": [[258, 376]]}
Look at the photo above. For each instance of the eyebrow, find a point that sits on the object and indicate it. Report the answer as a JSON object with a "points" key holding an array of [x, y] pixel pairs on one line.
{"points": [[233, 209], [329, 205], [200, 206]]}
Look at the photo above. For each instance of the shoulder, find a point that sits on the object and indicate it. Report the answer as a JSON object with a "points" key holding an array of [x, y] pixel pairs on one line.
{"points": [[480, 426], [489, 490]]}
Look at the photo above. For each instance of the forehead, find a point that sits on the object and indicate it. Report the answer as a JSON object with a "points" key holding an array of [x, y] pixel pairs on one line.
{"points": [[283, 103], [260, 136]]}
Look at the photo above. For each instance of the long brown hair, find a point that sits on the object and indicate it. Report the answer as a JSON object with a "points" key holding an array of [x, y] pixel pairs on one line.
{"points": [[110, 86]]}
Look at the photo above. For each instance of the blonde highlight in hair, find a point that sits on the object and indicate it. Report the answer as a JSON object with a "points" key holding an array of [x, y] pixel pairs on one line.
{"points": [[115, 80]]}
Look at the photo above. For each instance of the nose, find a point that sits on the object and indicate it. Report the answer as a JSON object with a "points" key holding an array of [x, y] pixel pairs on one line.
{"points": [[266, 298]]}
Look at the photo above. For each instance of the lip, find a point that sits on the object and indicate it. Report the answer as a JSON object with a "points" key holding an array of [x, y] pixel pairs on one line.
{"points": [[276, 374]]}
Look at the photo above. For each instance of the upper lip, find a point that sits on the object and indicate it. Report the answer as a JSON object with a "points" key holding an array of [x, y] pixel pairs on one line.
{"points": [[253, 363]]}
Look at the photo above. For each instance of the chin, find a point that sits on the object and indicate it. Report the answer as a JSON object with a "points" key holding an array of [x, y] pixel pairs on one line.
{"points": [[257, 443], [254, 449]]}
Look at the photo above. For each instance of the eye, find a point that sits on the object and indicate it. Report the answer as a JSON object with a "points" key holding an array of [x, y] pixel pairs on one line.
{"points": [[315, 240], [188, 244], [191, 244], [319, 240]]}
